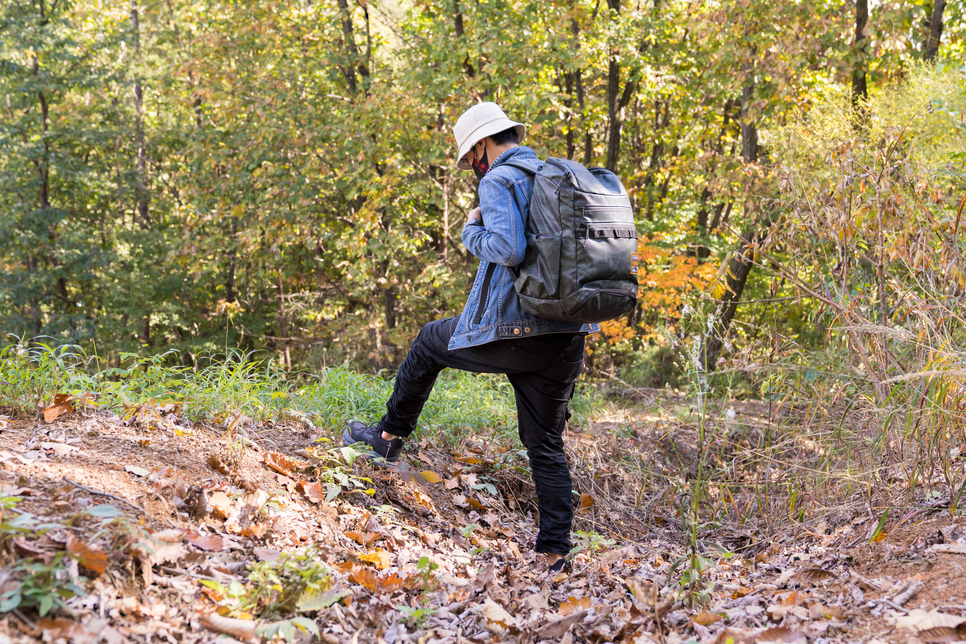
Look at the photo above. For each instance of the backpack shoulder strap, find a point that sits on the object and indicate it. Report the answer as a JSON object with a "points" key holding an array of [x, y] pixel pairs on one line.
{"points": [[519, 165]]}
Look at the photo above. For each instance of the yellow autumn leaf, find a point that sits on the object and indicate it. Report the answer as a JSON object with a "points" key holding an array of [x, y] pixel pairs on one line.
{"points": [[431, 476], [574, 604], [378, 558], [706, 618]]}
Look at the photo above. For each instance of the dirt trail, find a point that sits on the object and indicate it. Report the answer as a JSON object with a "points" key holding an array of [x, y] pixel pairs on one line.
{"points": [[442, 556]]}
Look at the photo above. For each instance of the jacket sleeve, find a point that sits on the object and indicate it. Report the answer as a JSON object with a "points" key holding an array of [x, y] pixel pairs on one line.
{"points": [[500, 238]]}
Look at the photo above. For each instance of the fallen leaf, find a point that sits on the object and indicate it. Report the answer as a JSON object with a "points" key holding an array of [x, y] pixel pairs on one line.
{"points": [[586, 502], [469, 460], [91, 557], [173, 535], [220, 504], [69, 630], [491, 518], [280, 463], [641, 592], [781, 634], [944, 634], [266, 554], [813, 575], [363, 538], [316, 601], [390, 584], [557, 629], [476, 503], [496, 614], [574, 604], [368, 579], [920, 620], [31, 549], [379, 558], [59, 449], [741, 592], [364, 577], [210, 542], [820, 611], [952, 548], [707, 618], [156, 611], [137, 471], [431, 476], [541, 600], [214, 462], [453, 482], [313, 491], [62, 405]]}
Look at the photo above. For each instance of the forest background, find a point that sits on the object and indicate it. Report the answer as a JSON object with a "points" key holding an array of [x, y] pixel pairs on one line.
{"points": [[280, 177]]}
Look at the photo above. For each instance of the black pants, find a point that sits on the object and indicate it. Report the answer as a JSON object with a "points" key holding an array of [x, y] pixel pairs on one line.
{"points": [[542, 370]]}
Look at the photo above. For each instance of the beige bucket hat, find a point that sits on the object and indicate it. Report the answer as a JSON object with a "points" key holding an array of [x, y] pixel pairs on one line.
{"points": [[477, 123]]}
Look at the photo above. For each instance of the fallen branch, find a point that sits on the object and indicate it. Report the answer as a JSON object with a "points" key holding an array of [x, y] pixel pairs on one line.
{"points": [[243, 629], [107, 494]]}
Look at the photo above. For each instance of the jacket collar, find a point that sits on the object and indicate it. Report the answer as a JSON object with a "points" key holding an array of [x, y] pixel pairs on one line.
{"points": [[519, 152]]}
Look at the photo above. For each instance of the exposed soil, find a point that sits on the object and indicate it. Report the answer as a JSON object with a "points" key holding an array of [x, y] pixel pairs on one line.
{"points": [[202, 504]]}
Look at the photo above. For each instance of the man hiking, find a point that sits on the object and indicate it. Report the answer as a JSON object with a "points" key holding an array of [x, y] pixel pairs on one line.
{"points": [[542, 358]]}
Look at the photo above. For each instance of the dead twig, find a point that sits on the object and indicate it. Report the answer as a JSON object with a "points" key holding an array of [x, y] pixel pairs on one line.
{"points": [[907, 592], [107, 494]]}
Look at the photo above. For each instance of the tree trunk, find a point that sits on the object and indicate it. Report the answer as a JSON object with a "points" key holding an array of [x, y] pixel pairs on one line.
{"points": [[739, 268], [661, 120], [860, 91], [749, 133], [230, 276], [935, 25], [389, 299], [617, 100], [349, 43], [141, 191], [282, 322], [739, 264], [588, 139]]}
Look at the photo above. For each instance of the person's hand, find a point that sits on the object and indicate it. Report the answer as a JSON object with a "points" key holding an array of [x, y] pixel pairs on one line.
{"points": [[477, 214]]}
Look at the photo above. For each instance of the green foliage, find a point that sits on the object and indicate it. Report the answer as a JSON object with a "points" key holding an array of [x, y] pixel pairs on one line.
{"points": [[41, 586], [868, 240], [276, 586], [335, 471], [591, 542], [292, 582], [279, 178], [288, 629], [695, 587], [426, 582]]}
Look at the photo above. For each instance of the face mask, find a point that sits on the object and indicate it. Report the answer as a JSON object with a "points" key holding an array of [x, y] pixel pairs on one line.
{"points": [[481, 165]]}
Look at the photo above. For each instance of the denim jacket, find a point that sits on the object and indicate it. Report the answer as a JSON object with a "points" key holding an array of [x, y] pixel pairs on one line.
{"points": [[493, 310]]}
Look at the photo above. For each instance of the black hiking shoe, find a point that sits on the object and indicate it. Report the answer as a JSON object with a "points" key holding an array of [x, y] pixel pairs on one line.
{"points": [[562, 565], [372, 438]]}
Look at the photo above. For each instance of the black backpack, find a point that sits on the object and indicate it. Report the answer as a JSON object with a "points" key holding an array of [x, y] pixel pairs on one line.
{"points": [[581, 261]]}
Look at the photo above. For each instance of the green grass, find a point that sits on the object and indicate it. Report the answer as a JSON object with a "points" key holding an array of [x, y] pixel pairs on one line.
{"points": [[31, 374]]}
